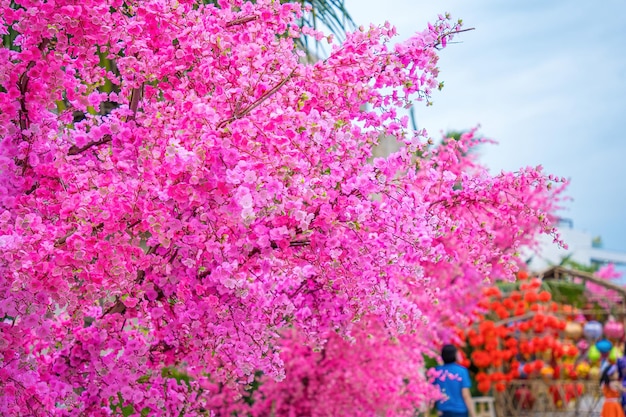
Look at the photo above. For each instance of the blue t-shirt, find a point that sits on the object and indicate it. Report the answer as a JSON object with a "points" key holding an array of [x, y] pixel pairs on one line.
{"points": [[451, 379]]}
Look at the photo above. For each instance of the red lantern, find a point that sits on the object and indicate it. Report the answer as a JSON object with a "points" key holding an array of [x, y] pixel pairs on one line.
{"points": [[484, 386]]}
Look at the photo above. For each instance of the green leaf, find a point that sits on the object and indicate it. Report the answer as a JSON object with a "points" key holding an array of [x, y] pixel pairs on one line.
{"points": [[566, 292], [128, 410]]}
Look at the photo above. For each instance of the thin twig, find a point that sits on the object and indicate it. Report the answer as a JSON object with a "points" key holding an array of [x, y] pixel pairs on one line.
{"points": [[62, 240], [241, 21], [258, 102], [75, 150], [135, 98], [33, 188], [118, 307]]}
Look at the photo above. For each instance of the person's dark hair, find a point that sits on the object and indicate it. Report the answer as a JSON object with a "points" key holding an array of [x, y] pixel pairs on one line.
{"points": [[448, 354], [605, 378]]}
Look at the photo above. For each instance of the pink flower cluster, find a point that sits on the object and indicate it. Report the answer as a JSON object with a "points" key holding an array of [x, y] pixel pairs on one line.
{"points": [[184, 204], [603, 296]]}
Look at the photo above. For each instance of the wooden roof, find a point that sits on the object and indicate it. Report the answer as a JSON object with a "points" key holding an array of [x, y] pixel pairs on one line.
{"points": [[559, 272]]}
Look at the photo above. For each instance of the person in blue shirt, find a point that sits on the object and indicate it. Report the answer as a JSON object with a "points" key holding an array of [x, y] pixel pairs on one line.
{"points": [[454, 383]]}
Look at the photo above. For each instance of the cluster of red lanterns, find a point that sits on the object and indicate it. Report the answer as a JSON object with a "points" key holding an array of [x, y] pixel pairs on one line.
{"points": [[524, 334], [515, 335]]}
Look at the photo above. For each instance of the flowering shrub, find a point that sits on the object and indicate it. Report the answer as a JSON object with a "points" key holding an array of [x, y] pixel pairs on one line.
{"points": [[598, 294], [177, 188]]}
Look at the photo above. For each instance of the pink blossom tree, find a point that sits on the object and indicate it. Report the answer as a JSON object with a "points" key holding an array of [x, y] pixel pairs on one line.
{"points": [[178, 190], [601, 295]]}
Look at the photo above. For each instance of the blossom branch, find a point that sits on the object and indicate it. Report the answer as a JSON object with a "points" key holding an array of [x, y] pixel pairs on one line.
{"points": [[241, 21], [75, 150], [258, 102]]}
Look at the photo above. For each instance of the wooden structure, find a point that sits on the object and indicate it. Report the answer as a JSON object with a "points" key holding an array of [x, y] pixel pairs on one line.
{"points": [[484, 406], [561, 273], [555, 398]]}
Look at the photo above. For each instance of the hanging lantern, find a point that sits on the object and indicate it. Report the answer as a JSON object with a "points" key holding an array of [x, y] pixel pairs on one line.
{"points": [[592, 330], [547, 372], [615, 354], [573, 330], [569, 371], [594, 372], [570, 352], [614, 329], [582, 369], [594, 354], [582, 345], [603, 346]]}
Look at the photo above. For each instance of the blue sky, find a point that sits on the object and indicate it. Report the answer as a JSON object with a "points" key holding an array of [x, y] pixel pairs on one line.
{"points": [[547, 80]]}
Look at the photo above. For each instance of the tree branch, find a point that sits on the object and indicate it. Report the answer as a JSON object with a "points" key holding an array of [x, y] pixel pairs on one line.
{"points": [[75, 150], [62, 240], [135, 98], [241, 21], [258, 102]]}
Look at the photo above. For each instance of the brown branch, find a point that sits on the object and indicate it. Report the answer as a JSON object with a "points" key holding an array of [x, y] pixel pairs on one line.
{"points": [[22, 84], [296, 243], [24, 121], [141, 274], [460, 31], [274, 245], [454, 32], [173, 256], [258, 102], [61, 241], [135, 98], [118, 307], [33, 188], [241, 21], [152, 249], [133, 224], [75, 150]]}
